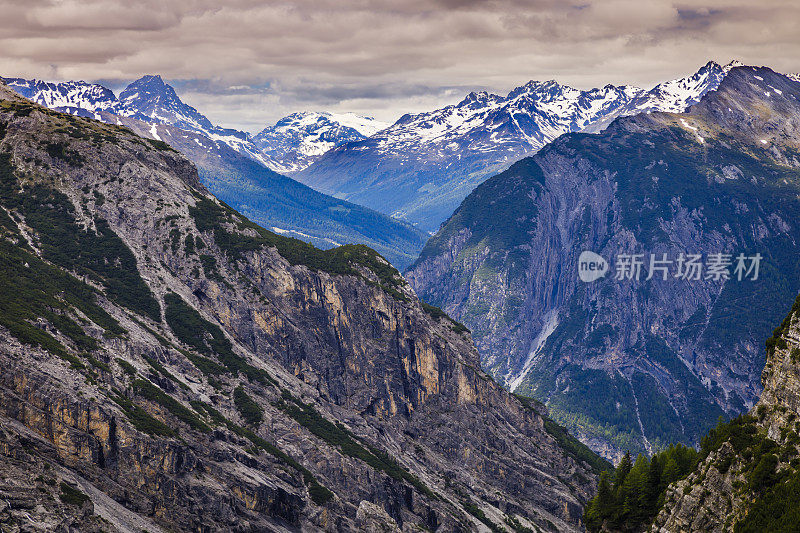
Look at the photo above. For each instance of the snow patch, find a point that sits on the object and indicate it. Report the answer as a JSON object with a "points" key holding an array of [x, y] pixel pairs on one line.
{"points": [[154, 132]]}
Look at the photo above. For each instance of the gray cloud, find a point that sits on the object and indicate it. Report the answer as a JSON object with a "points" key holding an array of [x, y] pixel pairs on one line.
{"points": [[246, 63]]}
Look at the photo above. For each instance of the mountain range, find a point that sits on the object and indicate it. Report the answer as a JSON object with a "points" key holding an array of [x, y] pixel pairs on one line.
{"points": [[418, 169], [423, 166], [633, 364], [234, 168], [168, 365], [290, 145]]}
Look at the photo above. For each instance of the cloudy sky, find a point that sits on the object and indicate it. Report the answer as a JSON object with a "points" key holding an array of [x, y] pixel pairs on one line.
{"points": [[246, 63]]}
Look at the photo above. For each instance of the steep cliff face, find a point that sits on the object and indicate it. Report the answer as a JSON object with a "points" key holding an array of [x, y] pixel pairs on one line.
{"points": [[633, 364], [750, 478], [185, 369]]}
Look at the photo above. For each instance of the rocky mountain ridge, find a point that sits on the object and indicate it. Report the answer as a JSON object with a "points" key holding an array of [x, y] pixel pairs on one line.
{"points": [[169, 365], [626, 364]]}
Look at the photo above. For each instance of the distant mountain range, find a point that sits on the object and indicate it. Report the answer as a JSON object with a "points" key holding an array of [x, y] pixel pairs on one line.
{"points": [[418, 169], [234, 168], [293, 143], [424, 165]]}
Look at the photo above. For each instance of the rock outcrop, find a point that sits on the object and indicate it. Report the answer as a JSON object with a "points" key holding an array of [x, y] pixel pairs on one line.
{"points": [[749, 479]]}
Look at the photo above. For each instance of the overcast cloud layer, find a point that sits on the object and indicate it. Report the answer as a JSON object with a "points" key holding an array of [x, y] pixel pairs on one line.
{"points": [[247, 63]]}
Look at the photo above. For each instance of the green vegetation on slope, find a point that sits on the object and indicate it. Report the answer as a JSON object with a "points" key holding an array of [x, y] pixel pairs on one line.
{"points": [[141, 419], [438, 314], [147, 390], [319, 494], [248, 408], [572, 446], [338, 436], [99, 254], [637, 492], [35, 290], [632, 497], [71, 495], [777, 509]]}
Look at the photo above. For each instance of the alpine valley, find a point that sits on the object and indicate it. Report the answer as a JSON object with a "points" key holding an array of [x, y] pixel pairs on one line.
{"points": [[206, 330], [168, 365], [235, 168], [633, 365]]}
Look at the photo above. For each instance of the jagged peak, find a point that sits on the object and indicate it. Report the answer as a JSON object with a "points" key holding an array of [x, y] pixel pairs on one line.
{"points": [[150, 79], [538, 87], [477, 96], [731, 65], [150, 82]]}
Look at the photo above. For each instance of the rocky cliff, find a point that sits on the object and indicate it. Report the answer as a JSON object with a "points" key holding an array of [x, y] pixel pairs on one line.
{"points": [[749, 480], [169, 365], [633, 364]]}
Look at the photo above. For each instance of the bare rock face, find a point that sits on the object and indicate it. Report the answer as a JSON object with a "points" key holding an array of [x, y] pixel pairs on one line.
{"points": [[185, 369], [633, 364], [745, 480]]}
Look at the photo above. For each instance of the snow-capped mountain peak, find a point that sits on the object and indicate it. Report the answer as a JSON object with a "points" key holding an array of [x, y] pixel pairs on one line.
{"points": [[733, 64], [297, 140], [676, 95], [73, 97], [366, 126], [152, 97]]}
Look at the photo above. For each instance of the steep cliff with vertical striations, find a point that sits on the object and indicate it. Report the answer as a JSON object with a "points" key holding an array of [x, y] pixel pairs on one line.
{"points": [[169, 365], [626, 364]]}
